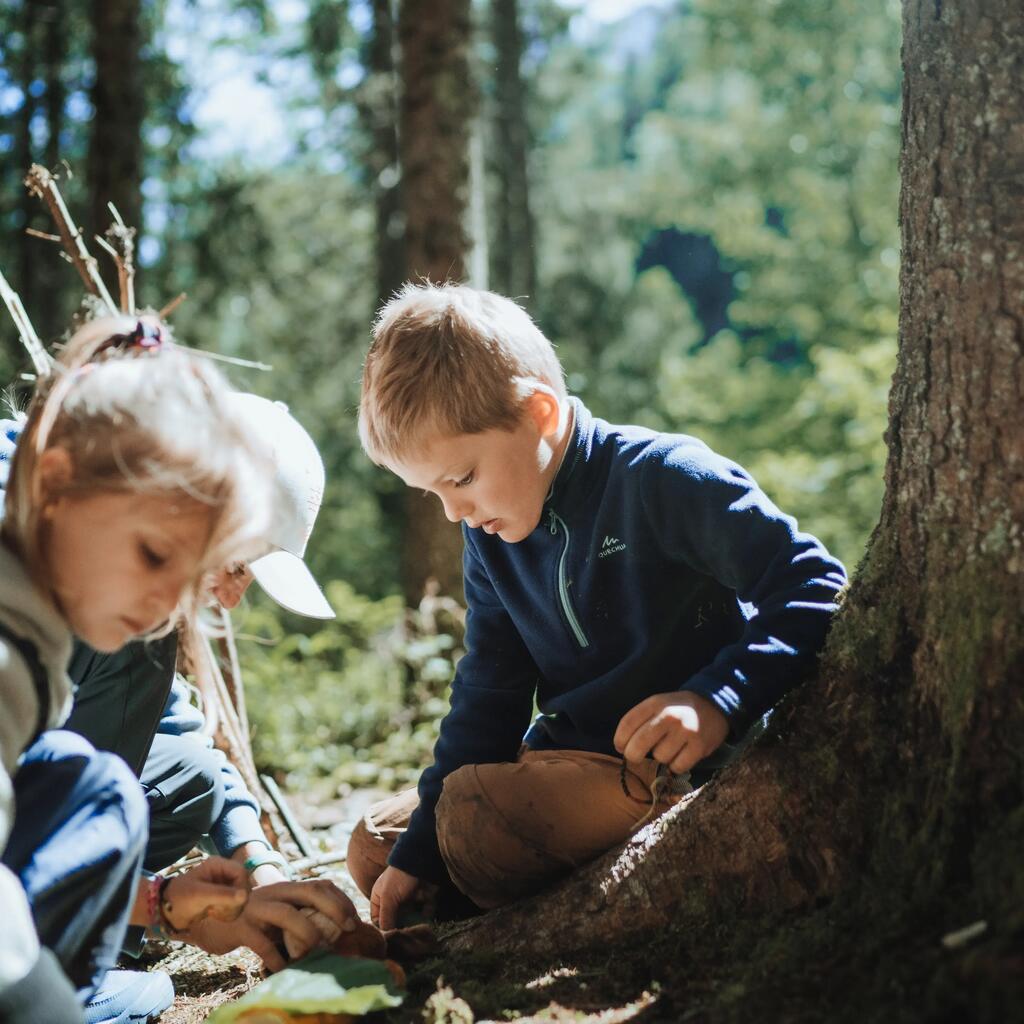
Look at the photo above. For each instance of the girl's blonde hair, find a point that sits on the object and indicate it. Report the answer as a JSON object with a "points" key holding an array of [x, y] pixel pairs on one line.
{"points": [[136, 414]]}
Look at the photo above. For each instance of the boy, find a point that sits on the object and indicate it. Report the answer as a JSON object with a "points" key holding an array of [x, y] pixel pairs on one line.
{"points": [[640, 585]]}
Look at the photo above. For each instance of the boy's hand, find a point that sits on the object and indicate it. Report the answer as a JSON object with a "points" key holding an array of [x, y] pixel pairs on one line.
{"points": [[677, 729], [393, 888]]}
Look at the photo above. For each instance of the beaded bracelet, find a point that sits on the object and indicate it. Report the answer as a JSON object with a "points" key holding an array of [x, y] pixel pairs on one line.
{"points": [[157, 910]]}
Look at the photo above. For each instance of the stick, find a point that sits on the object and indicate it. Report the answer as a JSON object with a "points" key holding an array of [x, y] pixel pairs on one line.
{"points": [[229, 736], [40, 359], [40, 182], [285, 811], [122, 247], [320, 860], [172, 306]]}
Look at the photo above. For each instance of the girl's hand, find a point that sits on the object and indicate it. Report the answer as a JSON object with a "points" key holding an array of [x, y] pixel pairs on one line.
{"points": [[393, 888], [677, 729], [278, 914], [216, 888]]}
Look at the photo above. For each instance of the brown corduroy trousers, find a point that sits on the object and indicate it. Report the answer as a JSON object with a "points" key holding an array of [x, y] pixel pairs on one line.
{"points": [[506, 830]]}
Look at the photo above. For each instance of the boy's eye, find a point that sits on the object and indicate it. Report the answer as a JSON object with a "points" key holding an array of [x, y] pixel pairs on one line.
{"points": [[150, 557], [466, 480]]}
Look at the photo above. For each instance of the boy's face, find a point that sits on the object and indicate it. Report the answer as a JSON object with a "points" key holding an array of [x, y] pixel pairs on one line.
{"points": [[495, 481]]}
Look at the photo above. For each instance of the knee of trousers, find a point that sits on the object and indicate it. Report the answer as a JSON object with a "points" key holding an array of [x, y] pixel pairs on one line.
{"points": [[469, 830], [366, 858], [124, 792], [196, 792], [99, 778]]}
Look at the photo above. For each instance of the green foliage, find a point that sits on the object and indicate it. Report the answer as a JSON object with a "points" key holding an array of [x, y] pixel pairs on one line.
{"points": [[358, 698], [770, 131]]}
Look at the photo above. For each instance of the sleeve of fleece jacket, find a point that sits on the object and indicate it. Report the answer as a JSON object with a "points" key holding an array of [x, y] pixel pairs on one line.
{"points": [[491, 704], [710, 514], [239, 821]]}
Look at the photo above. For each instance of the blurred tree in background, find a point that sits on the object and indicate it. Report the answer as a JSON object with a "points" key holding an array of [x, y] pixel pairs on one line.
{"points": [[697, 202]]}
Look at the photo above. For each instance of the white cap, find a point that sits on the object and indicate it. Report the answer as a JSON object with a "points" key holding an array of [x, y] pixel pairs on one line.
{"points": [[299, 489]]}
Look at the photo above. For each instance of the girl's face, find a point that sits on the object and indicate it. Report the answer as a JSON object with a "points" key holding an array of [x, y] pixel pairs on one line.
{"points": [[119, 563]]}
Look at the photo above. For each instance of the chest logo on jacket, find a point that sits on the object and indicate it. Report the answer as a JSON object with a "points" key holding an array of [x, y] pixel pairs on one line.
{"points": [[610, 546]]}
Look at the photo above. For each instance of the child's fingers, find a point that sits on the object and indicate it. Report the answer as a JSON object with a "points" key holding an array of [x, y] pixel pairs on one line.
{"points": [[222, 871], [320, 895], [188, 901], [267, 952], [268, 914], [683, 761], [388, 914], [630, 722], [645, 738], [669, 748]]}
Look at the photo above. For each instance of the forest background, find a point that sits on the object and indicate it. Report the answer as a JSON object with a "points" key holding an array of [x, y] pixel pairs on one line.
{"points": [[696, 200]]}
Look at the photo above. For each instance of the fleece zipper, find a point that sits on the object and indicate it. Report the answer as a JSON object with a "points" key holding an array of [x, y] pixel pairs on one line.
{"points": [[554, 521]]}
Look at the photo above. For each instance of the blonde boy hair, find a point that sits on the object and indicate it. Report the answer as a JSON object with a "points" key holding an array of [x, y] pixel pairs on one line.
{"points": [[449, 359], [151, 421]]}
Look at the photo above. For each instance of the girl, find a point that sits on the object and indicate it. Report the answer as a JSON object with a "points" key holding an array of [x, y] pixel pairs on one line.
{"points": [[132, 479]]}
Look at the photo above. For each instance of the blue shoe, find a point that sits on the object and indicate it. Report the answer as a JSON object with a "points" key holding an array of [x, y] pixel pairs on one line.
{"points": [[130, 996]]}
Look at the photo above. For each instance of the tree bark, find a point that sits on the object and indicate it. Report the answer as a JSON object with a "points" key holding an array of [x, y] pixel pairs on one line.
{"points": [[900, 767], [436, 106], [114, 162], [380, 113]]}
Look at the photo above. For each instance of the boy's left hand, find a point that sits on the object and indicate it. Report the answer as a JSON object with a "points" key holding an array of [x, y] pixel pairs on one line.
{"points": [[677, 729]]}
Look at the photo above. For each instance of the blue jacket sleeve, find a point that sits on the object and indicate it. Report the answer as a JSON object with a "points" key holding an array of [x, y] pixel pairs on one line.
{"points": [[239, 821], [10, 430], [713, 516], [491, 705]]}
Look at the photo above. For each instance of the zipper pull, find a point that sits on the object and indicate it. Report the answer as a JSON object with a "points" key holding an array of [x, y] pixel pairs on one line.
{"points": [[552, 521]]}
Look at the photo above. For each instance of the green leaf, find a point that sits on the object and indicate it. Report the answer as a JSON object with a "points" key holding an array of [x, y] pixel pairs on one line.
{"points": [[322, 982]]}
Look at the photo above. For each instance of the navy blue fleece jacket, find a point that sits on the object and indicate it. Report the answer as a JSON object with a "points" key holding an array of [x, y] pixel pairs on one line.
{"points": [[657, 565]]}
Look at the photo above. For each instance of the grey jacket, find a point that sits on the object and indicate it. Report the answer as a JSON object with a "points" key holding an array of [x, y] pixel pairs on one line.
{"points": [[28, 613]]}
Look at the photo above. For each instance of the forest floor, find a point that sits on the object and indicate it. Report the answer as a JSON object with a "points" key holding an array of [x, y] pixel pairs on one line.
{"points": [[819, 967], [596, 991]]}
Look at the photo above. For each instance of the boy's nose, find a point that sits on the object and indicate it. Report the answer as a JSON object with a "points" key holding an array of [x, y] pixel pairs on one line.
{"points": [[455, 509]]}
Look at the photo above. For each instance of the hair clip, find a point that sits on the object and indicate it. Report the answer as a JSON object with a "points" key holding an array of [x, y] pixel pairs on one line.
{"points": [[148, 334]]}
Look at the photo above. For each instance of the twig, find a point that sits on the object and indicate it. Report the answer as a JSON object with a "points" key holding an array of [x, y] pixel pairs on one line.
{"points": [[172, 306], [44, 235], [120, 243], [40, 359], [320, 860], [40, 182], [293, 826]]}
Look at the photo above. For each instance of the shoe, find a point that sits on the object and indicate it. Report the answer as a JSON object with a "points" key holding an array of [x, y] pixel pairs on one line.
{"points": [[127, 996]]}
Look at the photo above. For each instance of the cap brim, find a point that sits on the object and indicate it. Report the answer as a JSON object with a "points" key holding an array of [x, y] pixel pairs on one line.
{"points": [[287, 580]]}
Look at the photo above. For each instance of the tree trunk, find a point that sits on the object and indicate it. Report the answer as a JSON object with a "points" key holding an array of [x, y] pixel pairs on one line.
{"points": [[900, 772], [114, 163], [26, 71], [51, 276], [513, 258], [380, 113], [436, 107]]}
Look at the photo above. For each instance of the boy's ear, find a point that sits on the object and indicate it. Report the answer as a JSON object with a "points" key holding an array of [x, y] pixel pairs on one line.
{"points": [[544, 408], [56, 471]]}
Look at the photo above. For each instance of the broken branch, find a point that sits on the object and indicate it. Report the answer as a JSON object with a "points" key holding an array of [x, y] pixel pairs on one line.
{"points": [[40, 359], [40, 182]]}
